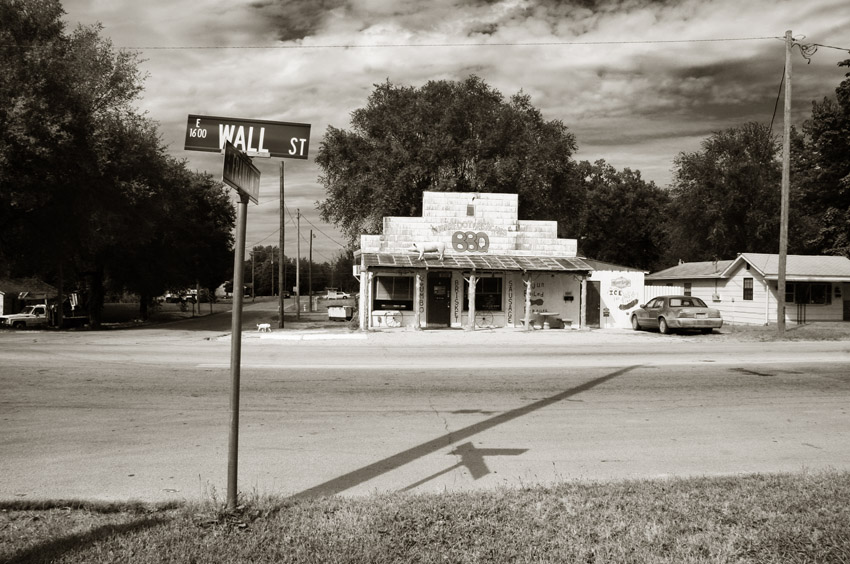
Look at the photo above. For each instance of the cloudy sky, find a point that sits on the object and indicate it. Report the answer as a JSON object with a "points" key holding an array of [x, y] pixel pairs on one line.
{"points": [[637, 81]]}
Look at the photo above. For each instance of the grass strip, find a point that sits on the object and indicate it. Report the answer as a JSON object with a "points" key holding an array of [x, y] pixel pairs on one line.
{"points": [[781, 518]]}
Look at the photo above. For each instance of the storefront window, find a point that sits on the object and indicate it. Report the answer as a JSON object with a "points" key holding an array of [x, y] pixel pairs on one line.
{"points": [[393, 292], [488, 294]]}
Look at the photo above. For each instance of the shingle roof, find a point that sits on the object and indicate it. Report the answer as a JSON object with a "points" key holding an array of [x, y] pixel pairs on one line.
{"points": [[31, 285], [707, 269], [477, 262], [800, 266], [797, 267]]}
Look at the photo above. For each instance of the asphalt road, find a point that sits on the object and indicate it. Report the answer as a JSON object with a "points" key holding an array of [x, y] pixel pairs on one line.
{"points": [[144, 413]]}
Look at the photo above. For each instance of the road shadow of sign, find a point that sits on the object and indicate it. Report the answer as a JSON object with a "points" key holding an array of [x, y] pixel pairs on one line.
{"points": [[473, 459], [363, 475]]}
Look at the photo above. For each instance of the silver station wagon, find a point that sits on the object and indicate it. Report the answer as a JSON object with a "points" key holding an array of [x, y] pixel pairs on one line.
{"points": [[674, 313]]}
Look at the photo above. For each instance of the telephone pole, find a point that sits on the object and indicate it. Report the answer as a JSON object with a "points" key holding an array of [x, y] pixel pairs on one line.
{"points": [[281, 269], [310, 274], [786, 181], [298, 265]]}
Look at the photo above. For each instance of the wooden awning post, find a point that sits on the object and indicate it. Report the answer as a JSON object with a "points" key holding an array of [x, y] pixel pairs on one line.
{"points": [[527, 318], [473, 281], [418, 306]]}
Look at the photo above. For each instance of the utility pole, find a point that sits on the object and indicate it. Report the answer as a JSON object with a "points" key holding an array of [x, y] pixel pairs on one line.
{"points": [[786, 181], [310, 274], [281, 269], [298, 265]]}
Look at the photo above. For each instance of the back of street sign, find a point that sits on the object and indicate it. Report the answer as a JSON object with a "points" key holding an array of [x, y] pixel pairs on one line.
{"points": [[240, 173]]}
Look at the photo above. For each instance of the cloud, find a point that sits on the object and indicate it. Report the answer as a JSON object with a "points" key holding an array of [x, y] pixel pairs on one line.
{"points": [[637, 81]]}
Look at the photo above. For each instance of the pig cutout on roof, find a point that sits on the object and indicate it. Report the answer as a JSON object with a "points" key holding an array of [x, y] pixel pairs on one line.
{"points": [[423, 248]]}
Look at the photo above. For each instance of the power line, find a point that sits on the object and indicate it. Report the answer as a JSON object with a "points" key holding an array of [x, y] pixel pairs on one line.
{"points": [[438, 45], [776, 103], [831, 47], [331, 239]]}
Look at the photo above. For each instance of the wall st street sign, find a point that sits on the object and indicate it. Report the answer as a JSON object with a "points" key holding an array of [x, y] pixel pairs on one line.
{"points": [[257, 138], [240, 173], [239, 140]]}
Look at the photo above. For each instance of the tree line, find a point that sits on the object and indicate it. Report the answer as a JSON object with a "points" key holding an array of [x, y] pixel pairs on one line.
{"points": [[90, 199], [464, 136], [262, 271]]}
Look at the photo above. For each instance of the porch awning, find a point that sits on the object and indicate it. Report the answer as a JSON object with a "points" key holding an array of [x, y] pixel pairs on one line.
{"points": [[477, 262]]}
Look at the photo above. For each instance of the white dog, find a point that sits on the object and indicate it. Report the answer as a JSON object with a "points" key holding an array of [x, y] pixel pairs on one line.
{"points": [[264, 327], [423, 248]]}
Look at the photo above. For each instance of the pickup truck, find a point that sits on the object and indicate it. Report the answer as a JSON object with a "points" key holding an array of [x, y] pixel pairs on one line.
{"points": [[31, 316]]}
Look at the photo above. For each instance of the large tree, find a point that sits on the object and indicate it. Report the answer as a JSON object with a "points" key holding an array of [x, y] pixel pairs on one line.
{"points": [[448, 137], [821, 179], [624, 220], [726, 196], [59, 96], [88, 193]]}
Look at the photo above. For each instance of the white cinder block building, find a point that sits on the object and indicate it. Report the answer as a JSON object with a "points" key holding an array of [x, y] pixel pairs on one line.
{"points": [[469, 262]]}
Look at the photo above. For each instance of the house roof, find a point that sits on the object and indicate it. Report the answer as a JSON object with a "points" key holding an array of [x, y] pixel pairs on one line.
{"points": [[32, 285], [797, 267], [801, 268], [707, 269], [477, 262]]}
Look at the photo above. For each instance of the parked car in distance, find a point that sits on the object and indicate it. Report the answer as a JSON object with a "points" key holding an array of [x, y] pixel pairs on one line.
{"points": [[674, 313], [30, 316], [334, 294]]}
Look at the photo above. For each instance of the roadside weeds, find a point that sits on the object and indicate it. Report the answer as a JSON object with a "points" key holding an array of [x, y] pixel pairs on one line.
{"points": [[800, 517]]}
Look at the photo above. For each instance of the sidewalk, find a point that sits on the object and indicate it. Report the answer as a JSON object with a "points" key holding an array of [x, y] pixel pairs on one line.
{"points": [[316, 326]]}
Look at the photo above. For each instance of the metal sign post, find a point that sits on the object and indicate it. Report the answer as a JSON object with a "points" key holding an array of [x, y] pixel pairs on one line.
{"points": [[236, 351], [240, 173]]}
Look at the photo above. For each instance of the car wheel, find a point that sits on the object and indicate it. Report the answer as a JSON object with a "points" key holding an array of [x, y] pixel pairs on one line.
{"points": [[707, 331], [635, 323], [18, 325], [663, 327]]}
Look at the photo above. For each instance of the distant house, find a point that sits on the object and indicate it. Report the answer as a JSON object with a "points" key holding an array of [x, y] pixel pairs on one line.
{"points": [[745, 289], [15, 293]]}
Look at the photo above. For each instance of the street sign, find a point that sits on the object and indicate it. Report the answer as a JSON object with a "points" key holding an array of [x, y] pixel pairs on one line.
{"points": [[240, 173], [257, 138]]}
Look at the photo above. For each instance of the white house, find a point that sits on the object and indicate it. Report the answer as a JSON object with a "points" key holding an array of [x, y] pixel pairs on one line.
{"points": [[745, 289]]}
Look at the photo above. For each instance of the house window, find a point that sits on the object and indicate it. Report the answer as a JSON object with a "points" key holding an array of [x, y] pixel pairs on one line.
{"points": [[488, 294], [748, 288], [393, 292], [687, 288], [808, 293], [789, 293], [820, 294]]}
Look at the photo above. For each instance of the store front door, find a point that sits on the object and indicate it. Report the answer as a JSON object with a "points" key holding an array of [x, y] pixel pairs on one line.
{"points": [[439, 299], [593, 303]]}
